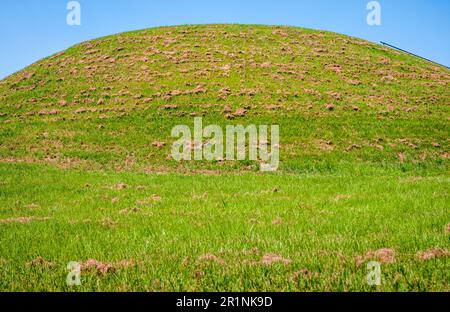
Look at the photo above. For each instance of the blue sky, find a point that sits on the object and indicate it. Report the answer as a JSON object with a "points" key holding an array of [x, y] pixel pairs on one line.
{"points": [[33, 29]]}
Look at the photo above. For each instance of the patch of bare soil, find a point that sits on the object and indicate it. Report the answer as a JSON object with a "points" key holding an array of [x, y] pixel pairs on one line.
{"points": [[23, 219], [209, 257], [325, 145], [159, 144], [121, 186], [240, 112], [103, 268], [108, 222], [271, 259], [277, 221], [432, 254], [330, 107], [41, 262], [383, 256]]}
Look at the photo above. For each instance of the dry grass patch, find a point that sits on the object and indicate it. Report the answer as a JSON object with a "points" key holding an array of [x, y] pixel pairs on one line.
{"points": [[432, 254], [383, 256]]}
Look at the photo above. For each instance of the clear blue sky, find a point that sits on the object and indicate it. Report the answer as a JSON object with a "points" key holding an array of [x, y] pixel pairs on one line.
{"points": [[33, 29]]}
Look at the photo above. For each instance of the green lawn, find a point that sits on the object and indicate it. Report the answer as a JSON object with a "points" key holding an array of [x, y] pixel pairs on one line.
{"points": [[230, 232]]}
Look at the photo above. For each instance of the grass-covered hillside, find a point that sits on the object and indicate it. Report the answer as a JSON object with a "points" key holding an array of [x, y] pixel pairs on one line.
{"points": [[340, 102], [86, 173]]}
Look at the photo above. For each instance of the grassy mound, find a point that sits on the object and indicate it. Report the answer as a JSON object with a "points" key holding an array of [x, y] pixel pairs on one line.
{"points": [[341, 103], [363, 174]]}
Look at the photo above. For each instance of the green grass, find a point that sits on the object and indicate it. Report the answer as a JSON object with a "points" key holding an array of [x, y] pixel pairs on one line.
{"points": [[281, 75], [324, 223], [370, 174]]}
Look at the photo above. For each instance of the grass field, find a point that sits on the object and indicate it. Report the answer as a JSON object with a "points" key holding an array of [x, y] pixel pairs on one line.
{"points": [[207, 232], [86, 173]]}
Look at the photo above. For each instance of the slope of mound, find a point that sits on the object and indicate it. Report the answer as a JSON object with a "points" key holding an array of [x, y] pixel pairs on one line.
{"points": [[340, 102]]}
